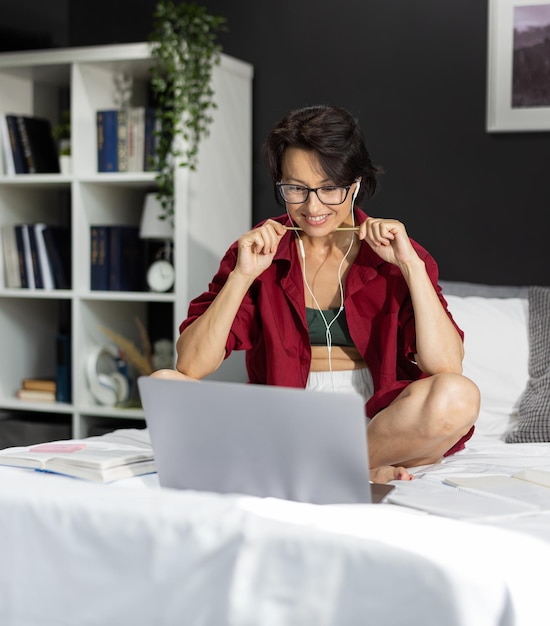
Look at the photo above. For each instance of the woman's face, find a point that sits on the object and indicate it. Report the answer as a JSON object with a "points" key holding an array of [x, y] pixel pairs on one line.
{"points": [[301, 168]]}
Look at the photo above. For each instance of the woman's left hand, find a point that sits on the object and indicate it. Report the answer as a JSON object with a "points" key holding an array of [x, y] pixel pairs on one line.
{"points": [[389, 239]]}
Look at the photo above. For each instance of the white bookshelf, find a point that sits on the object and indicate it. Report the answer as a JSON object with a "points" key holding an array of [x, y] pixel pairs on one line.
{"points": [[212, 208]]}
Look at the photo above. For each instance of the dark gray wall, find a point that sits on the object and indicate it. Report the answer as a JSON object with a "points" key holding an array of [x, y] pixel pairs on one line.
{"points": [[414, 72]]}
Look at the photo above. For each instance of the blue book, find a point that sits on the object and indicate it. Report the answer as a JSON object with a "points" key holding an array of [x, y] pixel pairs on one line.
{"points": [[150, 139], [107, 140], [63, 368], [99, 262], [125, 259]]}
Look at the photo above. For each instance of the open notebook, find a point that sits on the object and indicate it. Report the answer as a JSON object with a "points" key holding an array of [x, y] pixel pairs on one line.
{"points": [[476, 497], [259, 440]]}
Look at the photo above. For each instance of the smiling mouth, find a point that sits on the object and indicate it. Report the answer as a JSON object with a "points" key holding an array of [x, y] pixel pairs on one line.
{"points": [[318, 219]]}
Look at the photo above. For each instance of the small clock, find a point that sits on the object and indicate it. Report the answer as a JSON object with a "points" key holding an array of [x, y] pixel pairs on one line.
{"points": [[161, 275]]}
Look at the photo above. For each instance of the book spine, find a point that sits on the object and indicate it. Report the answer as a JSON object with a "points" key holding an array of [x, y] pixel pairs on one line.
{"points": [[17, 146], [150, 140], [124, 258], [99, 262], [29, 162], [27, 255], [12, 273], [58, 249], [63, 368], [44, 261], [131, 139], [107, 140], [36, 395], [39, 144], [21, 255], [122, 140], [140, 138], [8, 165], [39, 384], [35, 258], [136, 138]]}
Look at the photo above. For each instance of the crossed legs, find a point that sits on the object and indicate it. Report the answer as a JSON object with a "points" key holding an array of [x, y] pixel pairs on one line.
{"points": [[427, 418]]}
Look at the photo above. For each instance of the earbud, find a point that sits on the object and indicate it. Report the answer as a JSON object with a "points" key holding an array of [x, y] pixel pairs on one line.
{"points": [[356, 190]]}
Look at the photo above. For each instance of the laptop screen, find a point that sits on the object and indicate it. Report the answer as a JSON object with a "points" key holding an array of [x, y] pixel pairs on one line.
{"points": [[266, 441]]}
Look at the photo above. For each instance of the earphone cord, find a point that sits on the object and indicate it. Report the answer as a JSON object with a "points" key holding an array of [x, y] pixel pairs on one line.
{"points": [[328, 334]]}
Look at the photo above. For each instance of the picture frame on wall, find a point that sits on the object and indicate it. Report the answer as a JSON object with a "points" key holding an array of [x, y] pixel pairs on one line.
{"points": [[518, 58]]}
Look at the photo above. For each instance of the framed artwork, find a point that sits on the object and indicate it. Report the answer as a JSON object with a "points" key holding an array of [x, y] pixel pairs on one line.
{"points": [[518, 65]]}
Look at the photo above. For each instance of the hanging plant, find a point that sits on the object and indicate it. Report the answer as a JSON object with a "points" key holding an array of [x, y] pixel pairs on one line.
{"points": [[184, 45]]}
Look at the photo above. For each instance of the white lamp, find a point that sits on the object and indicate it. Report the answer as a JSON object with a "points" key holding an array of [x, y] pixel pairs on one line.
{"points": [[153, 223], [161, 274]]}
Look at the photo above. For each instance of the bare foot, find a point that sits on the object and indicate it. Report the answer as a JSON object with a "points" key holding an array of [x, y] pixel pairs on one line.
{"points": [[169, 374], [385, 473]]}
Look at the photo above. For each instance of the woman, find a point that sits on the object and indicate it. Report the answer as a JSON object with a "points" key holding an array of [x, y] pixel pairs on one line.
{"points": [[326, 298]]}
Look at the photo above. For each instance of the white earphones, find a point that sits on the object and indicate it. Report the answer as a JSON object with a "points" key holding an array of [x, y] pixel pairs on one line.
{"points": [[358, 181], [341, 308]]}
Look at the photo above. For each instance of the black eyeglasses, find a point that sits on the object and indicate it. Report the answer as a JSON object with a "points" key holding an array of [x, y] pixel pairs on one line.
{"points": [[298, 194]]}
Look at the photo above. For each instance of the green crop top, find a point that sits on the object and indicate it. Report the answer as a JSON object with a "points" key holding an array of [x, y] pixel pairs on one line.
{"points": [[318, 331]]}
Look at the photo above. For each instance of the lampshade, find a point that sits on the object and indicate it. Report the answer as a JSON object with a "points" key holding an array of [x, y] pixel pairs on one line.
{"points": [[152, 226]]}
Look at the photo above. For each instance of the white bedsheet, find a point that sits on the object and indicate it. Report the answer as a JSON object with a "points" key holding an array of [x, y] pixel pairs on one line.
{"points": [[77, 553]]}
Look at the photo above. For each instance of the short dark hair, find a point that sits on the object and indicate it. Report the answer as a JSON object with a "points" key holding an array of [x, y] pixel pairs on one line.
{"points": [[335, 135]]}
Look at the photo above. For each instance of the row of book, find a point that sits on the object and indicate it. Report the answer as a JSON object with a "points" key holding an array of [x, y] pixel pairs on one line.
{"points": [[126, 139], [36, 256], [28, 145], [117, 258]]}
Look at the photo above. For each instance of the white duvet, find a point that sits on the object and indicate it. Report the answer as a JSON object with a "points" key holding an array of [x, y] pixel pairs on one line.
{"points": [[76, 553]]}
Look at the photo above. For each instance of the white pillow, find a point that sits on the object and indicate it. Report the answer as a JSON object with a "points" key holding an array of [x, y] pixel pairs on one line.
{"points": [[496, 345]]}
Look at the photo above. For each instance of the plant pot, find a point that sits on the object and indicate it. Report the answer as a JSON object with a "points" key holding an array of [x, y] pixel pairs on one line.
{"points": [[65, 164]]}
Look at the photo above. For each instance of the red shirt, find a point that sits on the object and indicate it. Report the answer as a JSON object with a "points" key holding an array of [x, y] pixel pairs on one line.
{"points": [[271, 322]]}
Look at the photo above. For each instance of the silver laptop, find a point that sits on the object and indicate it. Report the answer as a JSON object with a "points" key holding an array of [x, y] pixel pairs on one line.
{"points": [[259, 440]]}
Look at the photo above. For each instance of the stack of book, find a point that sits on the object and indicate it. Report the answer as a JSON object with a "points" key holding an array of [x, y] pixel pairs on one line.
{"points": [[36, 256], [28, 145], [126, 139], [38, 390]]}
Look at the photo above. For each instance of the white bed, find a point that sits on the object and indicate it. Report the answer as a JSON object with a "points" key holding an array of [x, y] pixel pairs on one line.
{"points": [[131, 553]]}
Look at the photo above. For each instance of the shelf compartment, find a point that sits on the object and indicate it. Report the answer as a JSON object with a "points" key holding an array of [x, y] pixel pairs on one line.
{"points": [[29, 331], [120, 317]]}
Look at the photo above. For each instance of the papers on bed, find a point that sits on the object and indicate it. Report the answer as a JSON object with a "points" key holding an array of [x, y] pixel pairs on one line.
{"points": [[477, 497], [97, 461], [527, 486]]}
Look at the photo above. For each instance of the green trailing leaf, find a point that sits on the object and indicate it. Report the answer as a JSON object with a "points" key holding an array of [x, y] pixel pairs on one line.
{"points": [[184, 45]]}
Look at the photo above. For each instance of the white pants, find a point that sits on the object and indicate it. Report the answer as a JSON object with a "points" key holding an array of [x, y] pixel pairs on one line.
{"points": [[354, 381]]}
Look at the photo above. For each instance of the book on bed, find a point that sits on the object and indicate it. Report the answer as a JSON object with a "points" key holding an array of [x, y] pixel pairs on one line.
{"points": [[473, 497], [527, 485], [90, 460]]}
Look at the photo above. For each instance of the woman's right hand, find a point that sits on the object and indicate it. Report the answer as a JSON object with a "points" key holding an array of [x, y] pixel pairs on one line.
{"points": [[257, 248]]}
